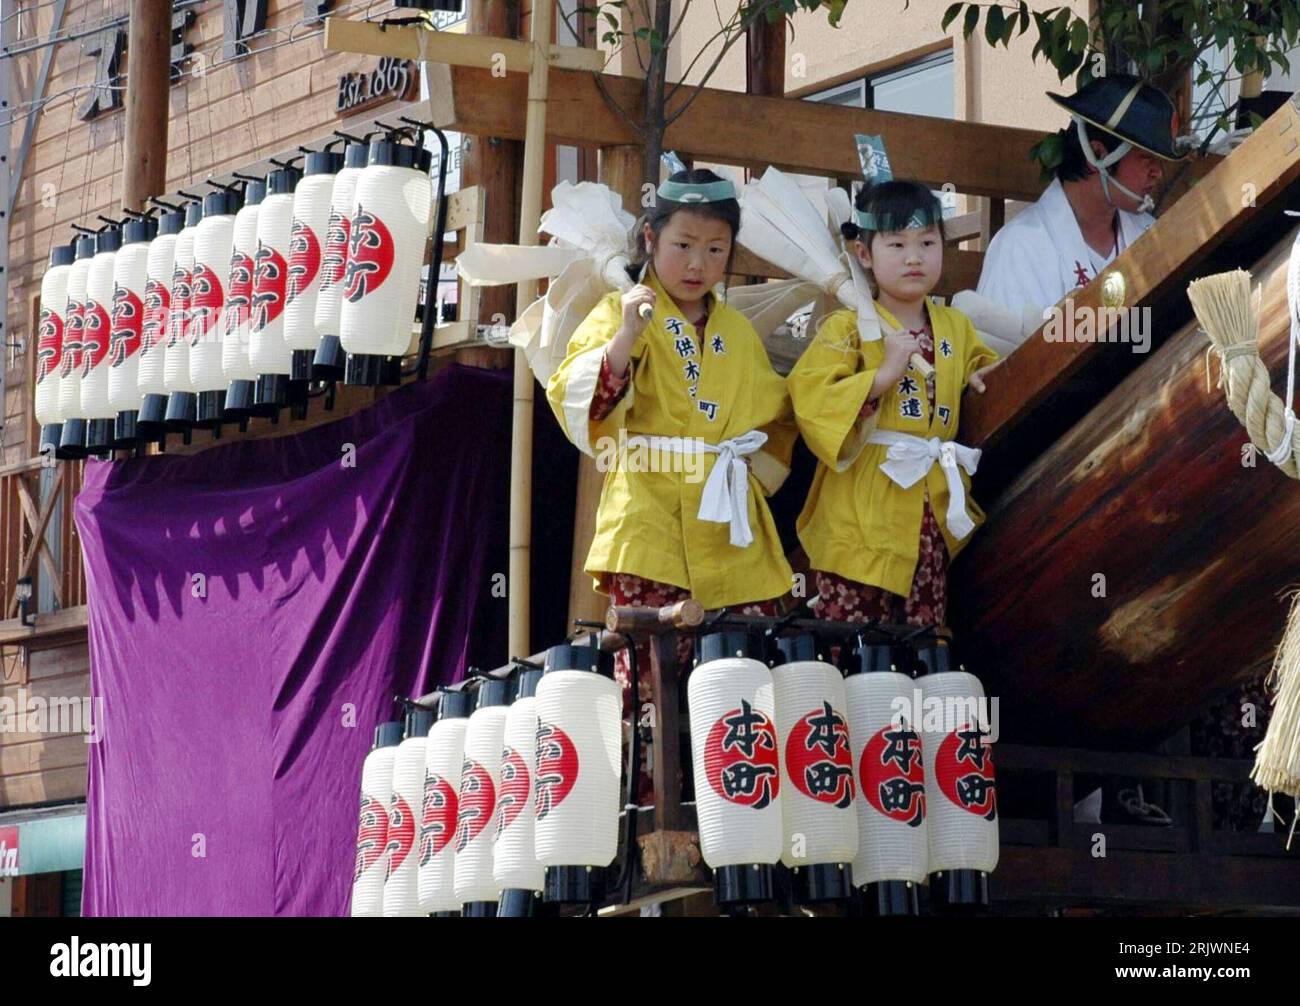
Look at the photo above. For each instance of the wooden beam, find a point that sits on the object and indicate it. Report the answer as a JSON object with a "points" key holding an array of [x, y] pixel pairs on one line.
{"points": [[1238, 188], [52, 627], [752, 131], [484, 51]]}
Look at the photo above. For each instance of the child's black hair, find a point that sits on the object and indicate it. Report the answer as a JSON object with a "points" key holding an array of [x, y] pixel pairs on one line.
{"points": [[726, 210], [893, 200], [1074, 165]]}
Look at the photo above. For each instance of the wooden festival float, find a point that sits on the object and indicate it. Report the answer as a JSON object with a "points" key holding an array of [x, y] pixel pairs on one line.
{"points": [[1099, 462]]}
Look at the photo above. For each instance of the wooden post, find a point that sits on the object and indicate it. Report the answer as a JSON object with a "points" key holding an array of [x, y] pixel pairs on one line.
{"points": [[530, 213], [147, 112], [765, 58]]}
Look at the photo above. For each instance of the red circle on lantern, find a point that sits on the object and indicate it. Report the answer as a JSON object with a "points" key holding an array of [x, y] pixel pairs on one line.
{"points": [[336, 248], [401, 833], [477, 800], [818, 759], [963, 768], [304, 259], [206, 300], [892, 774], [128, 321], [95, 330], [49, 349], [270, 274], [370, 255], [740, 758], [157, 306], [438, 817], [372, 834], [512, 792], [557, 767]]}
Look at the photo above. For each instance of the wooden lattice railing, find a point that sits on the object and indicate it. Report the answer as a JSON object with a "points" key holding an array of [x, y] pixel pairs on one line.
{"points": [[37, 535]]}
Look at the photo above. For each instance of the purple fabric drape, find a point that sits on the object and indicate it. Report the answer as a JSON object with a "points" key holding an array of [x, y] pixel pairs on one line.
{"points": [[254, 608]]}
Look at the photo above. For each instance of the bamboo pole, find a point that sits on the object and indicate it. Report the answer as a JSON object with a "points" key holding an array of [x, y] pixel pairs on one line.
{"points": [[521, 455]]}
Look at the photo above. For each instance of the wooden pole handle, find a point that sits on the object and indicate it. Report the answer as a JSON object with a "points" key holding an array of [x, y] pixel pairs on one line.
{"points": [[685, 614]]}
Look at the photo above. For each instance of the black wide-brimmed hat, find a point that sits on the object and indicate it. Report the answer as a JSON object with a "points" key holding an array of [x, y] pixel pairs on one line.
{"points": [[1126, 107]]}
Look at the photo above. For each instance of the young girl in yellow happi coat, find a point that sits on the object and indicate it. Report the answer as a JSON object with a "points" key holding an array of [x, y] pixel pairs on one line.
{"points": [[890, 502], [685, 416]]}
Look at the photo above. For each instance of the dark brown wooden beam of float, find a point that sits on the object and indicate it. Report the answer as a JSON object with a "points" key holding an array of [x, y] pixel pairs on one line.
{"points": [[1222, 202], [1148, 503]]}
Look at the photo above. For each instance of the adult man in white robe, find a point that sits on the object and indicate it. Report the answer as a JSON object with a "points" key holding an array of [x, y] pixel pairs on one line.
{"points": [[1121, 133]]}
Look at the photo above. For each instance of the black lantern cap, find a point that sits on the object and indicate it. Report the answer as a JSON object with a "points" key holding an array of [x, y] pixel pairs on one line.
{"points": [[139, 229], [194, 213], [85, 246], [570, 657], [355, 155], [282, 181], [864, 656], [323, 162], [417, 721], [934, 657], [222, 203], [799, 647], [62, 255], [171, 221], [454, 705], [731, 643], [492, 692], [108, 240], [526, 683], [388, 734]]}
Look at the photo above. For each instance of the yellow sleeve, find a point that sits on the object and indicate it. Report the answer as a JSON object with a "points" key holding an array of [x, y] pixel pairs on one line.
{"points": [[977, 354], [828, 387], [771, 464], [572, 386]]}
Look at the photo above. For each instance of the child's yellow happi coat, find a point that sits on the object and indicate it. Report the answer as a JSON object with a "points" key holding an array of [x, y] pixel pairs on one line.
{"points": [[857, 522], [713, 389]]}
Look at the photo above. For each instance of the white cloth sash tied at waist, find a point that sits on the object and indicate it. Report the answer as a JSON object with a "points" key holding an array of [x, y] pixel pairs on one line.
{"points": [[909, 459], [725, 499]]}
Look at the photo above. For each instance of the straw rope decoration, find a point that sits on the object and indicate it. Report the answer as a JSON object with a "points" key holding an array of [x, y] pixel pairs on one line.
{"points": [[1229, 315]]}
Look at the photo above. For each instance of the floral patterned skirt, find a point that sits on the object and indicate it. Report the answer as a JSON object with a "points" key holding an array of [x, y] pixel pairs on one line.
{"points": [[842, 600]]}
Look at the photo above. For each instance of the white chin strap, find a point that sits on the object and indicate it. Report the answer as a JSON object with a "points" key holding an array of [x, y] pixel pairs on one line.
{"points": [[1146, 203]]}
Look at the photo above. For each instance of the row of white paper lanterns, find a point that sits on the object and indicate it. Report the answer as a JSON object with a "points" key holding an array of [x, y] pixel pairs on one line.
{"points": [[472, 843], [486, 828], [221, 296], [756, 807]]}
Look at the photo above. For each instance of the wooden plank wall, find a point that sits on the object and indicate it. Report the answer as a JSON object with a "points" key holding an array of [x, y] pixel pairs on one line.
{"points": [[232, 114], [41, 767]]}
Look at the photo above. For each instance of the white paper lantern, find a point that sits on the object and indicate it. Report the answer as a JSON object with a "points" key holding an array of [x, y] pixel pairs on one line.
{"points": [[70, 364], [817, 787], [268, 353], [371, 864], [961, 795], [386, 241], [893, 850], [329, 300], [130, 294], [735, 747], [151, 375], [49, 350], [476, 888], [442, 770], [401, 888], [213, 245], [579, 763], [519, 876], [176, 367], [311, 217], [97, 328]]}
